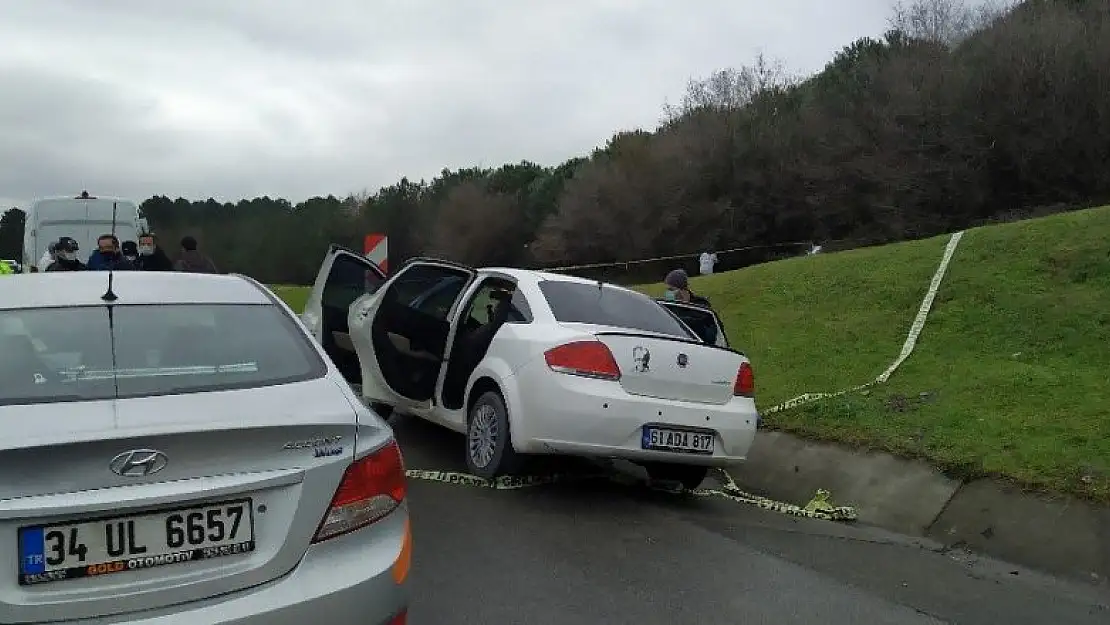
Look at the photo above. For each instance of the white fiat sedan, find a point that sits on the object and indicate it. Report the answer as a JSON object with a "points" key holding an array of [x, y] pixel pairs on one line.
{"points": [[525, 362], [175, 448]]}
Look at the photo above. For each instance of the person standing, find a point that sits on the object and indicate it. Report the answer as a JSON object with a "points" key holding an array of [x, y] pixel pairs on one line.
{"points": [[706, 262], [678, 289], [130, 251], [107, 256], [65, 256], [47, 256], [192, 260], [151, 255]]}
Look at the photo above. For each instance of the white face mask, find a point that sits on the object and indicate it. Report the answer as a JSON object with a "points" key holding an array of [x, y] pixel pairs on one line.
{"points": [[146, 250], [70, 256]]}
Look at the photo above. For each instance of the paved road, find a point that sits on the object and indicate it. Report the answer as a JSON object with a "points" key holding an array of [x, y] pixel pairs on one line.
{"points": [[609, 554]]}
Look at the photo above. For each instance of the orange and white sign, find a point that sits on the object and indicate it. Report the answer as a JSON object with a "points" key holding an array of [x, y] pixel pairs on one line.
{"points": [[376, 248]]}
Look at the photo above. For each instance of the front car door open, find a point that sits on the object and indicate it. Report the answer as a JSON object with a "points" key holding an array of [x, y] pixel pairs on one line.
{"points": [[344, 277]]}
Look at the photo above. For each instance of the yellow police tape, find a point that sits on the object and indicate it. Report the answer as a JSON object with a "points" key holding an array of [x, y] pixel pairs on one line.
{"points": [[818, 508]]}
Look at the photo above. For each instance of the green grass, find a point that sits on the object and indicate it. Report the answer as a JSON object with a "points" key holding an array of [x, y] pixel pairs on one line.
{"points": [[293, 295], [1009, 378]]}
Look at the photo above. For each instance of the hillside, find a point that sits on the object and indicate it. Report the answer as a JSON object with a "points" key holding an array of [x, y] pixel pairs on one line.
{"points": [[1007, 379]]}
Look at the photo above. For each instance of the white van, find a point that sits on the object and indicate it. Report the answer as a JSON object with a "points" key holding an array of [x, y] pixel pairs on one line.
{"points": [[83, 218]]}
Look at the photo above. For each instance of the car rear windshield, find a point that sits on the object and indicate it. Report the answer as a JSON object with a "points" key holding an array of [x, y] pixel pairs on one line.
{"points": [[87, 353], [577, 302]]}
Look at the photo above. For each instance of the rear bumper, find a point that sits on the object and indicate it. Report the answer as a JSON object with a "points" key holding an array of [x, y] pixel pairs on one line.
{"points": [[562, 414], [347, 580]]}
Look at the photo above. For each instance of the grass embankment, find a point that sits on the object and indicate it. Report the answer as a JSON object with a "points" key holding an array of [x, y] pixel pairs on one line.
{"points": [[295, 296], [1009, 377]]}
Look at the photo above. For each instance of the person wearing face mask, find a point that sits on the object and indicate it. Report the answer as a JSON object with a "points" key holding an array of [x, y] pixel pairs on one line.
{"points": [[48, 256], [107, 256], [678, 289], [130, 251], [65, 256], [151, 255]]}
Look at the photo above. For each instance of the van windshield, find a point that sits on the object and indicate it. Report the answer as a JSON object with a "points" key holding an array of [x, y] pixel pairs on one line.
{"points": [[67, 354], [81, 220]]}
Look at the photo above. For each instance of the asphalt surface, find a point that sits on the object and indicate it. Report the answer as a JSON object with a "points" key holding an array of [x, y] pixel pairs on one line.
{"points": [[587, 552]]}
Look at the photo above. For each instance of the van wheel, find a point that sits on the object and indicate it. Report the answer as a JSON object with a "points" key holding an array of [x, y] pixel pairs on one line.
{"points": [[489, 447], [689, 475]]}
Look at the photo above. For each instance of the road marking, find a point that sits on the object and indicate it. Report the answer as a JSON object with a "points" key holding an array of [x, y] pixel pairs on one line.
{"points": [[818, 508]]}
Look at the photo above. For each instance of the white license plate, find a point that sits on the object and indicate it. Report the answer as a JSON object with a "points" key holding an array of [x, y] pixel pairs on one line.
{"points": [[678, 440], [52, 553]]}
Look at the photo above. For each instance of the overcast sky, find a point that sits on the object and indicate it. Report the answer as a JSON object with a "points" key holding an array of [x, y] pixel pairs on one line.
{"points": [[294, 98]]}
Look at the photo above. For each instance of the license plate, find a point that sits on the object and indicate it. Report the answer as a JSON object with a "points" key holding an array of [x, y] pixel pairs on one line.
{"points": [[61, 551], [678, 440]]}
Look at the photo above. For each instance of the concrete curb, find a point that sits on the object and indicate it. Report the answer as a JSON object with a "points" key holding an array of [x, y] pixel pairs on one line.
{"points": [[1060, 535]]}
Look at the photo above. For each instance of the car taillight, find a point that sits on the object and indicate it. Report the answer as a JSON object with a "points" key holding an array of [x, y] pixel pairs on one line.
{"points": [[371, 488], [745, 381], [589, 359]]}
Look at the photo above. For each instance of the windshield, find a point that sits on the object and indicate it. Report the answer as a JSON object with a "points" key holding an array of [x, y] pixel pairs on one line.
{"points": [[66, 354], [577, 302]]}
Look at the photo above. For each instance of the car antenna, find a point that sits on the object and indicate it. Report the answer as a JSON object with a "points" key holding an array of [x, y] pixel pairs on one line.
{"points": [[110, 295]]}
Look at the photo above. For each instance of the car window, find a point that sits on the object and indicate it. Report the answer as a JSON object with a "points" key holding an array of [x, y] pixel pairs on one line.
{"points": [[483, 304], [67, 354], [348, 280], [601, 304], [431, 289], [703, 322]]}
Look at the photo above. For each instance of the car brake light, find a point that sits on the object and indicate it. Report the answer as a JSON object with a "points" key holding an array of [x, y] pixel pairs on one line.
{"points": [[745, 381], [371, 488], [589, 359]]}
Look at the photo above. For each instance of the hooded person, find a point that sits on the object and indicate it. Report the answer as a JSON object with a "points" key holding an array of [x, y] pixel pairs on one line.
{"points": [[130, 251], [65, 256], [678, 289], [107, 256], [151, 255], [192, 260]]}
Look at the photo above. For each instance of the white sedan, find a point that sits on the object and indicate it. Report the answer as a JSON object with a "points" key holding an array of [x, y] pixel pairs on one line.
{"points": [[526, 362]]}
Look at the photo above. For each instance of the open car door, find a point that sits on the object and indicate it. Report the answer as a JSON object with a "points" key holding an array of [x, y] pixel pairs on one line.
{"points": [[401, 332], [344, 276], [703, 321]]}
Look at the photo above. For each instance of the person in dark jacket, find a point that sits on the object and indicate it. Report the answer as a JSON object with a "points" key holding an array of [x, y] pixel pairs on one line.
{"points": [[678, 288], [107, 256], [151, 255], [130, 251], [65, 256], [191, 260]]}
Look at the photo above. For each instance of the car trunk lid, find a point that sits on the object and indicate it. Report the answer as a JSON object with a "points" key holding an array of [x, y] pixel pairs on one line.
{"points": [[267, 459], [666, 367]]}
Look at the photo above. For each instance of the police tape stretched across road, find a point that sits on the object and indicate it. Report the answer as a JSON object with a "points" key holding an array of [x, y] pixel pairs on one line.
{"points": [[818, 508]]}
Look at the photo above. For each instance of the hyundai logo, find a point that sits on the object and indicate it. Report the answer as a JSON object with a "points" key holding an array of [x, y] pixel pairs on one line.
{"points": [[138, 463]]}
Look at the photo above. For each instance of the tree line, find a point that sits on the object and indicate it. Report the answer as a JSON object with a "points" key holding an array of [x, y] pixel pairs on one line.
{"points": [[958, 115]]}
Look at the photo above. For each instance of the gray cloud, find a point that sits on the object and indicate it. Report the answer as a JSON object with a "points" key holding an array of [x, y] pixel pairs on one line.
{"points": [[295, 98]]}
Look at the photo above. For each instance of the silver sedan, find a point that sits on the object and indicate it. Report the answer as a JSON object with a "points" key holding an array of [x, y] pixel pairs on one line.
{"points": [[175, 448]]}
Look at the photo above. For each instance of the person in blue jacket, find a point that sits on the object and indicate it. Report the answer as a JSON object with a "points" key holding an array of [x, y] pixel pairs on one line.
{"points": [[107, 255]]}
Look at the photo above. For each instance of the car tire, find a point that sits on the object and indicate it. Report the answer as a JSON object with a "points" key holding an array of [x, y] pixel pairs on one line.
{"points": [[689, 475], [489, 445]]}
